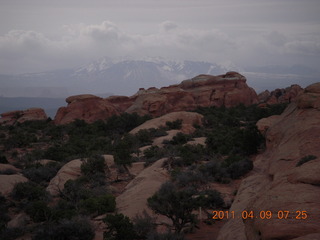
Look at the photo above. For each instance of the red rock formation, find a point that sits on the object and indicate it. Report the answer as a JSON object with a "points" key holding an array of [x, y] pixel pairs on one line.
{"points": [[31, 114], [277, 184], [85, 107], [204, 90], [283, 95]]}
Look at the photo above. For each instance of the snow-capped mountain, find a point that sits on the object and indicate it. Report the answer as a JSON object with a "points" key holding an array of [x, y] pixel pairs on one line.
{"points": [[125, 76]]}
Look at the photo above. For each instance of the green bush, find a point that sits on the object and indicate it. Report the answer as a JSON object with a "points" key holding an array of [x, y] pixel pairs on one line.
{"points": [[29, 191], [177, 124], [3, 159], [144, 225], [41, 173], [63, 210], [74, 191], [93, 165], [38, 211], [180, 139], [210, 199], [305, 159], [119, 227], [11, 233], [99, 205], [177, 205], [76, 229], [239, 168], [4, 218]]}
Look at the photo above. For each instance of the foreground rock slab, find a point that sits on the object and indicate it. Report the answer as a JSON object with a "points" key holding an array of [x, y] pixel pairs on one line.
{"points": [[291, 193]]}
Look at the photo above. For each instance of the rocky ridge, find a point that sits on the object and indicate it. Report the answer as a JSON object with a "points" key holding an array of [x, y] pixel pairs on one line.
{"points": [[13, 117], [277, 183], [229, 90], [280, 95]]}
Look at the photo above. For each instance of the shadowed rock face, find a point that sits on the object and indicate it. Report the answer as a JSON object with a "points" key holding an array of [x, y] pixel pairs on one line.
{"points": [[204, 90], [31, 114], [277, 184]]}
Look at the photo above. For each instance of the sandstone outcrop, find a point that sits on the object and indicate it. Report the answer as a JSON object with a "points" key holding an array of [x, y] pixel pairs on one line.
{"points": [[70, 171], [8, 168], [85, 107], [280, 95], [188, 120], [277, 184], [133, 200], [31, 114], [229, 90], [9, 181]]}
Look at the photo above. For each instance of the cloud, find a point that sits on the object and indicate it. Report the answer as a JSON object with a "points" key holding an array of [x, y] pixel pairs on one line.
{"points": [[86, 42], [30, 51]]}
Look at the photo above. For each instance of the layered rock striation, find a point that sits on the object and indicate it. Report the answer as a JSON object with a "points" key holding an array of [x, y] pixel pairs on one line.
{"points": [[229, 90], [291, 192]]}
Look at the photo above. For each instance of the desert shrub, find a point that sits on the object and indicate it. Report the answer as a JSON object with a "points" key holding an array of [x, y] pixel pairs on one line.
{"points": [[20, 139], [3, 159], [189, 178], [144, 137], [191, 153], [74, 191], [239, 168], [210, 199], [38, 211], [177, 124], [41, 173], [175, 204], [180, 138], [11, 233], [8, 171], [63, 210], [100, 205], [251, 139], [143, 225], [93, 165], [4, 218], [119, 227], [151, 152], [305, 159], [76, 229], [29, 191], [213, 171], [125, 122]]}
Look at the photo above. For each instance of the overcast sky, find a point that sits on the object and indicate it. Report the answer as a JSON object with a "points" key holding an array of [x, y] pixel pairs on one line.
{"points": [[41, 35]]}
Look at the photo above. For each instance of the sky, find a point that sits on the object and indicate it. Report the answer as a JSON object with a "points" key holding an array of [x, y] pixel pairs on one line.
{"points": [[43, 35]]}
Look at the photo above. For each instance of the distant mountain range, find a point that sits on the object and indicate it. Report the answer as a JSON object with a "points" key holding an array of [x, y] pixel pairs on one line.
{"points": [[120, 77], [125, 76]]}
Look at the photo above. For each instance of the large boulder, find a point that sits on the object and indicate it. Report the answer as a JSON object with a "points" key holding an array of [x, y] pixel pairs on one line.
{"points": [[188, 120], [227, 90], [9, 181], [133, 200], [86, 107], [70, 171], [31, 114], [278, 184]]}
